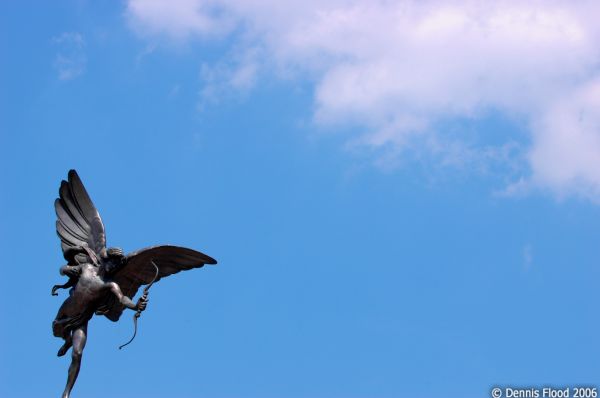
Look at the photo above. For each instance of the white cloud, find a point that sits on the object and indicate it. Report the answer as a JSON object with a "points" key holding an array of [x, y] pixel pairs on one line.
{"points": [[399, 68], [566, 153], [70, 60], [237, 75], [179, 19]]}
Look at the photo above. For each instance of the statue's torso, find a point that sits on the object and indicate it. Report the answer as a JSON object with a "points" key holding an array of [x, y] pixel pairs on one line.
{"points": [[88, 291], [90, 285], [79, 307]]}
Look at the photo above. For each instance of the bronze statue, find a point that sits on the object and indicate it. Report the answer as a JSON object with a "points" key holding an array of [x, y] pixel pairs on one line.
{"points": [[103, 281]]}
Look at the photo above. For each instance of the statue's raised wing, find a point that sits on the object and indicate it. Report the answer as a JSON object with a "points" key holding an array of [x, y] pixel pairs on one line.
{"points": [[79, 223], [138, 270]]}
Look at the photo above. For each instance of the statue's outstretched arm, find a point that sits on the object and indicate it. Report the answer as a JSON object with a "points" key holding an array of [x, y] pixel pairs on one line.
{"points": [[70, 283], [72, 271], [126, 301]]}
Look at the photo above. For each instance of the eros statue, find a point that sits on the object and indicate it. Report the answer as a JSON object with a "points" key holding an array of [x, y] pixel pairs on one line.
{"points": [[103, 281]]}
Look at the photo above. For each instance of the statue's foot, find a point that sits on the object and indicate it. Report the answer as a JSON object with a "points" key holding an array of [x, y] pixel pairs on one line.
{"points": [[63, 350]]}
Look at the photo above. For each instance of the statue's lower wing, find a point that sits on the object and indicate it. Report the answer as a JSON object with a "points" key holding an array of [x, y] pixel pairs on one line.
{"points": [[138, 271]]}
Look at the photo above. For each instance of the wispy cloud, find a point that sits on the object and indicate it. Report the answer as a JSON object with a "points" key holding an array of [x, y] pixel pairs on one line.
{"points": [[400, 68], [147, 51], [238, 74], [70, 59], [180, 19]]}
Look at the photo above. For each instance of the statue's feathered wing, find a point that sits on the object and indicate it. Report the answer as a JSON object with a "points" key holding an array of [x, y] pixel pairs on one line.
{"points": [[78, 222], [138, 270]]}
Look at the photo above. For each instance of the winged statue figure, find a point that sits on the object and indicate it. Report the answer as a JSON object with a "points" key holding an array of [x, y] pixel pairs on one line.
{"points": [[103, 281]]}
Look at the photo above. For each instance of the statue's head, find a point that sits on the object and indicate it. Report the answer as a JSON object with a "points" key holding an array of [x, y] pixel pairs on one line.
{"points": [[115, 257], [114, 252]]}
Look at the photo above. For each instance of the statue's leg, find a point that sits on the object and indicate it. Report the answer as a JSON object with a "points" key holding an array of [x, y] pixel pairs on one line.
{"points": [[65, 347], [79, 339]]}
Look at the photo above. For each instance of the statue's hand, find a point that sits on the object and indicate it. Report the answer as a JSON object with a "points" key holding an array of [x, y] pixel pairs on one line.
{"points": [[142, 302]]}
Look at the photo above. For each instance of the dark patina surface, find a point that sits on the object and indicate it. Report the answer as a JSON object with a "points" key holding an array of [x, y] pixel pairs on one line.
{"points": [[103, 281]]}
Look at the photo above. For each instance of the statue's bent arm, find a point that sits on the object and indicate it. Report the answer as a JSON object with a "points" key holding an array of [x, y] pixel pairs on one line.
{"points": [[123, 299]]}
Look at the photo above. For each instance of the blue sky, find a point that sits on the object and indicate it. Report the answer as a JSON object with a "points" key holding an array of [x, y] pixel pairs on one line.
{"points": [[388, 221]]}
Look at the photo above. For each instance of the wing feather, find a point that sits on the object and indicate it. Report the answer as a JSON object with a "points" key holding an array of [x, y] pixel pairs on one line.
{"points": [[78, 221], [87, 209], [70, 237], [64, 246], [69, 204], [83, 202], [67, 220]]}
